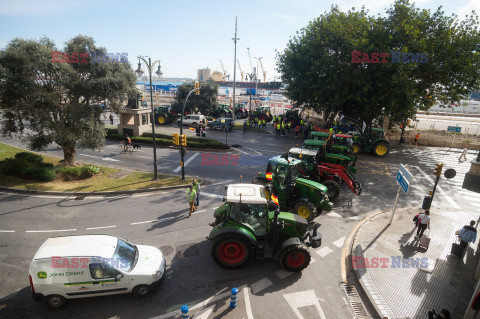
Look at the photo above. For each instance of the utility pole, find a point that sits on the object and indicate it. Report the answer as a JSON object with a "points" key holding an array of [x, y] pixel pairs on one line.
{"points": [[234, 69]]}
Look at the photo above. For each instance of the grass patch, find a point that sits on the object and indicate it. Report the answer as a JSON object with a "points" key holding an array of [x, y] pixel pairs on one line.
{"points": [[102, 181]]}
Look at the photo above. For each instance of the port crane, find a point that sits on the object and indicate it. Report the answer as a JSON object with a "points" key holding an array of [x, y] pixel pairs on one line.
{"points": [[263, 72], [251, 64], [241, 72], [225, 75]]}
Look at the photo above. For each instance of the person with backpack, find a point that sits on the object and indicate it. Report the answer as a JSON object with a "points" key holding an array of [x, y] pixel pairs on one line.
{"points": [[468, 234], [423, 223]]}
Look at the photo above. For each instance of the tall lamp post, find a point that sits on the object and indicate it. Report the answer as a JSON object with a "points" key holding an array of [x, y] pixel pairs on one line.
{"points": [[182, 152], [139, 72], [256, 81]]}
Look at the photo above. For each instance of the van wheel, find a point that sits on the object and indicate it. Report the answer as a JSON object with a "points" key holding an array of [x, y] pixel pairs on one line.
{"points": [[141, 291], [56, 301]]}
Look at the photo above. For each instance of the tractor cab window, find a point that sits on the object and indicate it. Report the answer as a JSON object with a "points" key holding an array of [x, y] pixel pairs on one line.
{"points": [[377, 135], [253, 215]]}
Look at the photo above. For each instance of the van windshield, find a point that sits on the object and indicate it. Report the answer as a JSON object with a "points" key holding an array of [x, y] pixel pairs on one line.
{"points": [[126, 252]]}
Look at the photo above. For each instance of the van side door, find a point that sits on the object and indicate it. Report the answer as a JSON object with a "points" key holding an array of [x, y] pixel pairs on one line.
{"points": [[107, 280]]}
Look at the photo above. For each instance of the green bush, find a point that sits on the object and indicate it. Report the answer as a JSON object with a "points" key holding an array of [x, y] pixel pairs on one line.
{"points": [[42, 173], [75, 171], [29, 157], [84, 171], [13, 166], [89, 170]]}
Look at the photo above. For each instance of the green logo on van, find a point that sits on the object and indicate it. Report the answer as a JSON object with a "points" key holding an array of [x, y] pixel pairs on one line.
{"points": [[42, 275]]}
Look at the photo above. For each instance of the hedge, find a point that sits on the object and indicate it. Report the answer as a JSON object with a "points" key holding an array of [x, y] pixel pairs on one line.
{"points": [[34, 169]]}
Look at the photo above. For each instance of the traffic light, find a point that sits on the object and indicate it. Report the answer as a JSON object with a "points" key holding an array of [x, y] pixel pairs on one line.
{"points": [[183, 140], [438, 170], [197, 87], [175, 139]]}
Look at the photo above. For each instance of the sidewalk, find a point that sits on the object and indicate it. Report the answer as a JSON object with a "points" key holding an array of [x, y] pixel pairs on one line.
{"points": [[430, 278]]}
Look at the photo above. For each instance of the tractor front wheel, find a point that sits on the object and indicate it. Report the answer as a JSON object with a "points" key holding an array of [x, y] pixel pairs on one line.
{"points": [[295, 258], [231, 250], [333, 190], [381, 149], [161, 120], [356, 148], [305, 209], [240, 114]]}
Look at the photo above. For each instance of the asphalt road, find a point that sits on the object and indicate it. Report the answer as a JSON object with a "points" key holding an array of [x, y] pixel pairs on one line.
{"points": [[192, 276]]}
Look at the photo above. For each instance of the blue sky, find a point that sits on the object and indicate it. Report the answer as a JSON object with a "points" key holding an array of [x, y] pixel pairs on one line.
{"points": [[184, 35]]}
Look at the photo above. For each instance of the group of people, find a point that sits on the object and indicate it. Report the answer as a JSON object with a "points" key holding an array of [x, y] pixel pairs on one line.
{"points": [[200, 130], [254, 123]]}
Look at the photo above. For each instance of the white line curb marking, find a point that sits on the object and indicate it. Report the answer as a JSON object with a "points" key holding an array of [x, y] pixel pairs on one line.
{"points": [[49, 231], [303, 299], [102, 227], [7, 231], [323, 251], [261, 285], [339, 242], [191, 158]]}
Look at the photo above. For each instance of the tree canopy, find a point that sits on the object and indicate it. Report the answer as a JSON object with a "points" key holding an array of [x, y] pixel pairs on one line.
{"points": [[205, 102], [369, 67], [47, 102]]}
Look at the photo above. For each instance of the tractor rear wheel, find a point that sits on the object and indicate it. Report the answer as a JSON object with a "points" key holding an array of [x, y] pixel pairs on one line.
{"points": [[305, 209], [295, 258], [231, 250], [380, 149], [161, 120], [356, 148], [333, 190], [240, 114]]}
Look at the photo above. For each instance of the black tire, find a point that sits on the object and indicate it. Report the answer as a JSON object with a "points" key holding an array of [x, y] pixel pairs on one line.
{"points": [[356, 148], [306, 210], [239, 114], [141, 290], [259, 181], [383, 146], [294, 258], [237, 244], [333, 190], [55, 301]]}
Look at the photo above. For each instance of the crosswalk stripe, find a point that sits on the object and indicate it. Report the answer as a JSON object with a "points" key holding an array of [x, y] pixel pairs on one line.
{"points": [[324, 251]]}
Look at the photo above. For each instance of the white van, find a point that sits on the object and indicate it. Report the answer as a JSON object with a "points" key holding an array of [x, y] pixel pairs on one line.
{"points": [[93, 265], [193, 120]]}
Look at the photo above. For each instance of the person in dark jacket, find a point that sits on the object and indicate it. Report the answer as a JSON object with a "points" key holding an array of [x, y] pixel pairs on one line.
{"points": [[444, 314], [468, 234]]}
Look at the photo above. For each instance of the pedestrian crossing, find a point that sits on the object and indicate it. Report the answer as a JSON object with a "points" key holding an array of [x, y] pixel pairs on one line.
{"points": [[432, 155]]}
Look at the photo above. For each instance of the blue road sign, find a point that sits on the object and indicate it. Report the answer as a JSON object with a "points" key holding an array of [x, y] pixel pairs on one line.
{"points": [[456, 129], [402, 181]]}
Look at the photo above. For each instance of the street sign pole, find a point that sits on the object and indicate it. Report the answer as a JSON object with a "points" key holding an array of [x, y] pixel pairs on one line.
{"points": [[395, 205], [404, 178]]}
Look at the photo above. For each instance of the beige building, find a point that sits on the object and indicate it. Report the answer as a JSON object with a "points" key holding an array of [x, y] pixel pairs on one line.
{"points": [[203, 74], [217, 76]]}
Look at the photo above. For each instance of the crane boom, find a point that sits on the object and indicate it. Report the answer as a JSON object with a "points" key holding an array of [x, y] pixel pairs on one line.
{"points": [[224, 71], [241, 72], [250, 58], [263, 72]]}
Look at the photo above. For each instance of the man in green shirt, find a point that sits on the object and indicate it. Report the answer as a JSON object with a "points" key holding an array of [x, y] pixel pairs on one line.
{"points": [[191, 194], [196, 188]]}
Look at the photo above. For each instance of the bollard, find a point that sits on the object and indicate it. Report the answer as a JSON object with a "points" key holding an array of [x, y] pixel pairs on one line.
{"points": [[184, 310], [233, 298]]}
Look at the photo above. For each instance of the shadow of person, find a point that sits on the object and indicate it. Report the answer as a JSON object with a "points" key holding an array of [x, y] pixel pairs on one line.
{"points": [[405, 237], [409, 249]]}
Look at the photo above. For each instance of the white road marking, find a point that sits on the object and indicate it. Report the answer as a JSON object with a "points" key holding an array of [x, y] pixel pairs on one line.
{"points": [[332, 214], [102, 158], [355, 217], [323, 251], [7, 231], [200, 211], [191, 158], [144, 157], [243, 152], [261, 285], [204, 314], [248, 306], [220, 183], [303, 299], [339, 242], [211, 195], [312, 260], [282, 274], [49, 231], [152, 221], [475, 199], [102, 227], [442, 192], [248, 148], [475, 204]]}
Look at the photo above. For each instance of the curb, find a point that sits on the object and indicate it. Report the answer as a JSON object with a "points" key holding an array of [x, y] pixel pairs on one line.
{"points": [[105, 193], [177, 148]]}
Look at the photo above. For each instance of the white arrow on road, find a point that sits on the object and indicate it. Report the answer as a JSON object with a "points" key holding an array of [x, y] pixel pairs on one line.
{"points": [[304, 299], [176, 170], [102, 158]]}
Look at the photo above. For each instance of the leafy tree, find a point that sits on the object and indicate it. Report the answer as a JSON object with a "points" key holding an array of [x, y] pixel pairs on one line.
{"points": [[46, 102], [205, 102], [318, 70]]}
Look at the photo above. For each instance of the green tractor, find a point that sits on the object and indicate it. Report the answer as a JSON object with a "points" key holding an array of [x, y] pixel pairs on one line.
{"points": [[164, 115], [372, 140], [263, 113], [222, 110], [339, 143], [249, 226], [293, 116], [290, 190], [346, 160]]}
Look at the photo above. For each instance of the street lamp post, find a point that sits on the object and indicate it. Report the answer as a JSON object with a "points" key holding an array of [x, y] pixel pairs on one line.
{"points": [[139, 72], [181, 132], [256, 81]]}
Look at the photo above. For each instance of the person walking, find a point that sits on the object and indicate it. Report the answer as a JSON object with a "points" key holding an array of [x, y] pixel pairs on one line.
{"points": [[288, 128], [415, 141], [202, 131], [464, 154], [245, 127], [423, 224], [111, 119], [297, 128], [468, 234], [196, 188], [191, 199], [283, 128], [265, 124]]}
